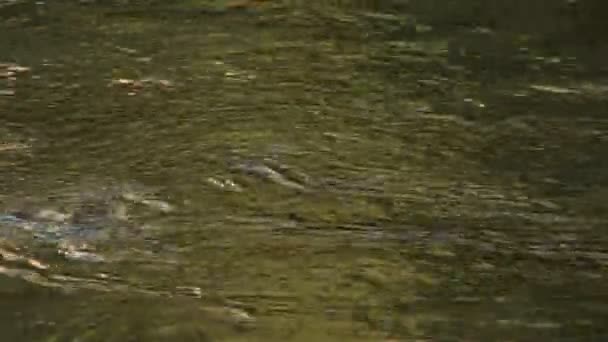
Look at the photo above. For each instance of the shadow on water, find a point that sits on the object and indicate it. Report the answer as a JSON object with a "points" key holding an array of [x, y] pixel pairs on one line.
{"points": [[354, 170]]}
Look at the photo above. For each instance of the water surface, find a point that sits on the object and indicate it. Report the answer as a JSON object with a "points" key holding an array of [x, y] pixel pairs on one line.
{"points": [[352, 170]]}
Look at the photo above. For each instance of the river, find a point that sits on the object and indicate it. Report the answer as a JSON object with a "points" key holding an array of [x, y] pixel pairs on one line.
{"points": [[339, 170]]}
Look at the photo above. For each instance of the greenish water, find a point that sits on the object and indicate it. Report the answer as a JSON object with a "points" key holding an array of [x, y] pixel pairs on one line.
{"points": [[340, 170]]}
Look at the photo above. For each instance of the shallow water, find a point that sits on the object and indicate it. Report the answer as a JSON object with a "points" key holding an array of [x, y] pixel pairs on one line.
{"points": [[339, 170]]}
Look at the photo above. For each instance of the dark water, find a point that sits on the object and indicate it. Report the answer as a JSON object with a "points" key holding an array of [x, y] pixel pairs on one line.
{"points": [[340, 170]]}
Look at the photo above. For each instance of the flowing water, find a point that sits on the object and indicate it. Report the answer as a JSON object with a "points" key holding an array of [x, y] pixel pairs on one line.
{"points": [[305, 170]]}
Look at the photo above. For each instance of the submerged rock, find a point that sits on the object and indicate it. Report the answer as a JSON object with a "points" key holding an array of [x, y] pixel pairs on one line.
{"points": [[75, 230]]}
